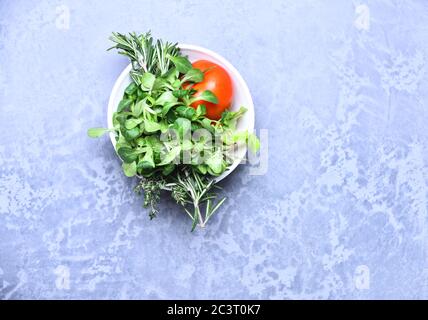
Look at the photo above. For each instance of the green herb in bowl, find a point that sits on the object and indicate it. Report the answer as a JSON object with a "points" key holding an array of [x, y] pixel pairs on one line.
{"points": [[162, 131]]}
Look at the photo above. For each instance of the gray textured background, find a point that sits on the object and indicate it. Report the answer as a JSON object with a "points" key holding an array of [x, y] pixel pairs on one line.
{"points": [[342, 212]]}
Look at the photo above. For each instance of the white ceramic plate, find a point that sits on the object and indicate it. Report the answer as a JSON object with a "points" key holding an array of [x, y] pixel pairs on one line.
{"points": [[241, 96]]}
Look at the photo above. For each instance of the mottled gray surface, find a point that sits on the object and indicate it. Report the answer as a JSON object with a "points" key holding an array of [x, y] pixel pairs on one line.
{"points": [[341, 213]]}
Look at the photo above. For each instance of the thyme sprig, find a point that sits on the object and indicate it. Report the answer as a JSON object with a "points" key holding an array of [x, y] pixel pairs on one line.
{"points": [[189, 189]]}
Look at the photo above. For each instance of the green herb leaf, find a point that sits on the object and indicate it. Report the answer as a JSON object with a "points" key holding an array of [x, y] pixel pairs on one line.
{"points": [[180, 93], [97, 132], [182, 64], [164, 98], [215, 163], [137, 108], [186, 112], [182, 125], [167, 106], [147, 81], [127, 154], [193, 75], [151, 126], [253, 143], [206, 95], [132, 123], [170, 156], [201, 110], [130, 134], [130, 169], [131, 88], [123, 104], [148, 157], [228, 118]]}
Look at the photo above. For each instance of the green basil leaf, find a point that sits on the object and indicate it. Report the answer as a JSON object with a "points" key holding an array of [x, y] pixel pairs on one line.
{"points": [[123, 104], [127, 154], [130, 169], [182, 64]]}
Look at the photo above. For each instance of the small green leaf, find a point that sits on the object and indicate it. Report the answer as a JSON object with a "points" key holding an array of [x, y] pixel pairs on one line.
{"points": [[131, 88], [151, 126], [159, 84], [167, 107], [97, 132], [171, 75], [176, 84], [170, 156], [147, 81], [148, 157], [182, 64], [119, 119], [182, 125], [206, 95], [186, 112], [228, 118], [164, 98], [137, 108], [127, 154], [132, 123], [180, 93], [193, 75], [253, 143], [201, 110], [202, 168], [206, 123], [130, 169], [123, 104], [215, 163], [130, 134]]}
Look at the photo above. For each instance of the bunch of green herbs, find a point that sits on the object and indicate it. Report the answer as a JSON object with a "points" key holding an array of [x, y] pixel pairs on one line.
{"points": [[161, 139]]}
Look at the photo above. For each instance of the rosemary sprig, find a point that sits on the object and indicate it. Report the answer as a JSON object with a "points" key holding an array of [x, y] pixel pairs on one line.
{"points": [[145, 54]]}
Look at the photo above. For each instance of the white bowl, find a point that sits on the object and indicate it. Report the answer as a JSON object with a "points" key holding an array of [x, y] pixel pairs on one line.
{"points": [[241, 96]]}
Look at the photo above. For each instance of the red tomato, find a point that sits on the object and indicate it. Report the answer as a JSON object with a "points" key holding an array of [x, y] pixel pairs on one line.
{"points": [[218, 81]]}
